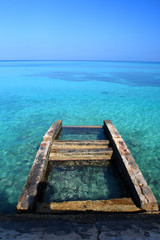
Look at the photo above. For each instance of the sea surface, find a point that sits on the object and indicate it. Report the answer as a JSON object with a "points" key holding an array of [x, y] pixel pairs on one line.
{"points": [[34, 94], [81, 183]]}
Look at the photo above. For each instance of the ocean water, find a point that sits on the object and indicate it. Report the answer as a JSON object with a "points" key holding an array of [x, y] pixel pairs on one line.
{"points": [[34, 94], [78, 183]]}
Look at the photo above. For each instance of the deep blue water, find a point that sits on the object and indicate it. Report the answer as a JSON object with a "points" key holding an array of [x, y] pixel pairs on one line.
{"points": [[34, 94]]}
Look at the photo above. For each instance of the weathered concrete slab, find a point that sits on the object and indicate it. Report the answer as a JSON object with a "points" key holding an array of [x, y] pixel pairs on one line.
{"points": [[130, 171], [80, 227]]}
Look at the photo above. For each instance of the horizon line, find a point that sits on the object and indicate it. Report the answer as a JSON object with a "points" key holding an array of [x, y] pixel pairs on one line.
{"points": [[14, 60]]}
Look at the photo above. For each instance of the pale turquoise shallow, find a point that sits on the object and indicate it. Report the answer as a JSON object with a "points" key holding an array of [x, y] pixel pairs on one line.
{"points": [[34, 94]]}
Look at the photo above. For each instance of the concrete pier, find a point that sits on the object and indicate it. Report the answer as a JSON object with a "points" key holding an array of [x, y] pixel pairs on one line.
{"points": [[80, 227]]}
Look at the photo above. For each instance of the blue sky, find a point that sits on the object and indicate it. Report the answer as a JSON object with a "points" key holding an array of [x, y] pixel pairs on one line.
{"points": [[80, 30]]}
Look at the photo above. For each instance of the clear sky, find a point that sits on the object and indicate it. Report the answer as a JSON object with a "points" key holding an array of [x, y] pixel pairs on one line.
{"points": [[80, 30]]}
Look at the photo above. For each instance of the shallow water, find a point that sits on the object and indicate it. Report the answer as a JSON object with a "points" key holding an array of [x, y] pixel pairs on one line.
{"points": [[34, 94], [82, 134], [78, 183]]}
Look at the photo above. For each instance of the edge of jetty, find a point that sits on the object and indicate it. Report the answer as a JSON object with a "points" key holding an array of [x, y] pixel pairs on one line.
{"points": [[142, 199]]}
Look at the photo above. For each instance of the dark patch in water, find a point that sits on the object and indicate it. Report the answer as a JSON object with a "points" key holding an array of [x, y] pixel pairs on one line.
{"points": [[105, 92], [37, 147], [126, 78], [105, 99], [5, 205]]}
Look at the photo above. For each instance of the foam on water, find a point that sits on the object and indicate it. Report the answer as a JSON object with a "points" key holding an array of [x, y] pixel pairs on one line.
{"points": [[34, 94]]}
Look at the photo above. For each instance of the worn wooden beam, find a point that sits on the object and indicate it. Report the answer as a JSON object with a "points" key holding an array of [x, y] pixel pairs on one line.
{"points": [[112, 205], [80, 151], [28, 196], [81, 155], [89, 126], [53, 131], [79, 148], [79, 145], [90, 162], [130, 171], [81, 142]]}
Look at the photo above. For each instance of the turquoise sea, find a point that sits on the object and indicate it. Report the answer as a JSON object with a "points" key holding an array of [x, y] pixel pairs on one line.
{"points": [[34, 94]]}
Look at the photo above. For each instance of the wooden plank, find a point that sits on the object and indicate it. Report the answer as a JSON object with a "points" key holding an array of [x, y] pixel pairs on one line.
{"points": [[112, 205], [53, 131], [89, 142], [90, 162], [28, 196], [76, 133], [80, 158], [78, 155], [69, 152], [130, 171], [79, 151], [79, 145], [87, 126]]}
